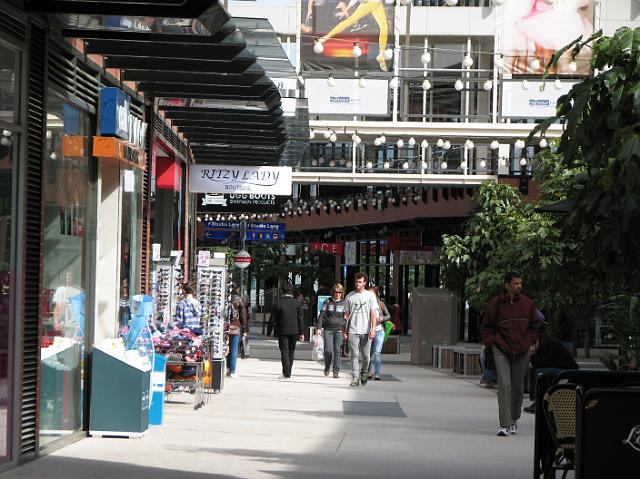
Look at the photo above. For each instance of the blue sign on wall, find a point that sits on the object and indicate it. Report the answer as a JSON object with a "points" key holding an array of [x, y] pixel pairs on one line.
{"points": [[114, 109]]}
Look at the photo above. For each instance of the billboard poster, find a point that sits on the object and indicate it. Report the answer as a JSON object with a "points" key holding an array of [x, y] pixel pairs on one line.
{"points": [[256, 180], [245, 203], [539, 101], [337, 25], [535, 29], [347, 98]]}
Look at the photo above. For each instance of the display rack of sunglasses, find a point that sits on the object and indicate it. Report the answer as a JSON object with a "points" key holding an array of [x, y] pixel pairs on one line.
{"points": [[211, 293], [186, 377], [165, 283]]}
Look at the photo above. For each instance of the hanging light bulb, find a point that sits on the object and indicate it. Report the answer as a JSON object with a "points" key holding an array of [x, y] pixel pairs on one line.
{"points": [[519, 144], [321, 160], [388, 54], [426, 85], [440, 143], [405, 2], [469, 145], [573, 67], [356, 51], [333, 138], [362, 83], [301, 79], [405, 165], [488, 85], [393, 83], [7, 133], [314, 162], [500, 62], [383, 139], [425, 58], [535, 64], [503, 162], [443, 165], [312, 134], [369, 165], [6, 141], [332, 163], [497, 3], [327, 134], [523, 161], [494, 145], [411, 142], [318, 47], [483, 163], [377, 142], [423, 164], [446, 145], [467, 62], [458, 84], [349, 164], [463, 164], [525, 84], [451, 3], [424, 144], [356, 138], [557, 84], [543, 143], [400, 143], [331, 81], [385, 165]]}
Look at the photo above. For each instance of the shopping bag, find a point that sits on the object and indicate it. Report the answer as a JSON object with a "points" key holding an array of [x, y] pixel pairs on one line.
{"points": [[388, 327], [246, 349], [317, 354]]}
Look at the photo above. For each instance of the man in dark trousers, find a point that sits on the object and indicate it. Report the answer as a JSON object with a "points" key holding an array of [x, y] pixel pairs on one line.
{"points": [[287, 322], [549, 356], [510, 326]]}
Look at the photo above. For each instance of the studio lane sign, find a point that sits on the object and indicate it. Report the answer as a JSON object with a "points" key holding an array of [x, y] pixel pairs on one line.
{"points": [[264, 180]]}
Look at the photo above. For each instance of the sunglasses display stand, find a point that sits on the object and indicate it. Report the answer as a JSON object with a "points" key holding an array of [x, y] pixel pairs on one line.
{"points": [[165, 282], [211, 292]]}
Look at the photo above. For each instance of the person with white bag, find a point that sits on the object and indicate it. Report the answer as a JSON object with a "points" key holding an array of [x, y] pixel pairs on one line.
{"points": [[330, 327]]}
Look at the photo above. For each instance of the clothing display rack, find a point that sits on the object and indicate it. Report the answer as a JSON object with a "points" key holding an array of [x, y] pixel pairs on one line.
{"points": [[165, 283]]}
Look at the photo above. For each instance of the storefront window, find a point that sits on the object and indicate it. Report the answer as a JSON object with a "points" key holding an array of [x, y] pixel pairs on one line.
{"points": [[65, 252], [8, 84], [131, 187]]}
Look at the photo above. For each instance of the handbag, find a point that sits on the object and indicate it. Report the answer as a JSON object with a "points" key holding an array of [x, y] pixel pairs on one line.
{"points": [[246, 349], [234, 327], [317, 354]]}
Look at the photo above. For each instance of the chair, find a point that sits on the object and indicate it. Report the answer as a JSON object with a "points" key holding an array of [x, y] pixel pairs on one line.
{"points": [[559, 406]]}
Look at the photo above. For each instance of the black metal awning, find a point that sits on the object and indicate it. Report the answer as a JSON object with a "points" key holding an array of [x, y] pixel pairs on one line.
{"points": [[191, 57]]}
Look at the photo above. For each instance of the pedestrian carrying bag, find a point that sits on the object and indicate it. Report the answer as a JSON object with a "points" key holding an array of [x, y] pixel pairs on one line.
{"points": [[317, 353]]}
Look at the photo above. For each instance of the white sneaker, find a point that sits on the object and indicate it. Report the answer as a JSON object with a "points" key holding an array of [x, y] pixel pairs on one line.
{"points": [[503, 431], [514, 428], [233, 375]]}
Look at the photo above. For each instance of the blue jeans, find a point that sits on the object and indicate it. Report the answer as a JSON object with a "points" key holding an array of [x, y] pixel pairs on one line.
{"points": [[332, 342], [376, 350], [234, 341]]}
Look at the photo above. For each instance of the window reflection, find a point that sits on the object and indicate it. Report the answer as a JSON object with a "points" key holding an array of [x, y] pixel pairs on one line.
{"points": [[63, 297], [8, 94]]}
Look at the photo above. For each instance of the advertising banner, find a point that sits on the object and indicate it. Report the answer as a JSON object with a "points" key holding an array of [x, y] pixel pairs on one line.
{"points": [[539, 101], [347, 98], [536, 29], [331, 248], [337, 25], [270, 180], [251, 203]]}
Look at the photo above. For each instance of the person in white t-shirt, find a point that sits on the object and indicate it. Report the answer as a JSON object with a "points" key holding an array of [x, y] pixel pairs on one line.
{"points": [[361, 315]]}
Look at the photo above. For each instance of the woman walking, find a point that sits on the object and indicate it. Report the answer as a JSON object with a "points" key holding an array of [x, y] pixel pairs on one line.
{"points": [[378, 340], [331, 325]]}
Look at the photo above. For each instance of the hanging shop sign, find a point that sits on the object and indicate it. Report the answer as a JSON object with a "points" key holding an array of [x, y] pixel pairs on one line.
{"points": [[270, 180], [246, 203], [242, 259], [538, 101], [331, 248], [113, 148], [115, 117], [346, 97], [253, 230]]}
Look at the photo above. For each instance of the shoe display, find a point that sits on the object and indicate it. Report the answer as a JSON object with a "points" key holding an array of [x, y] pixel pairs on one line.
{"points": [[530, 409], [514, 428], [326, 371], [503, 431], [363, 378], [336, 374], [355, 382]]}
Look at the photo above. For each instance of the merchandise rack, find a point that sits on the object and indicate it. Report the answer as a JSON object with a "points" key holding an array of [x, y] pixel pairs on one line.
{"points": [[194, 385], [212, 295]]}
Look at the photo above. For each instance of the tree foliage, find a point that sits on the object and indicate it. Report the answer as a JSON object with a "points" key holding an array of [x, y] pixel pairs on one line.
{"points": [[602, 135]]}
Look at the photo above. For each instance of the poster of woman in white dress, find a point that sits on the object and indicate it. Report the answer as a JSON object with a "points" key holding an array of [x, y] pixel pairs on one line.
{"points": [[338, 25], [536, 29]]}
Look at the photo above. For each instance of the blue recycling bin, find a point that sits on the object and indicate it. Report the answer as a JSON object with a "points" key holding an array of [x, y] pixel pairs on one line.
{"points": [[158, 380]]}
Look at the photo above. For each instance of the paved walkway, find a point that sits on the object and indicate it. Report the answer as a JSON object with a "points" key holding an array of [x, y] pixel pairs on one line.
{"points": [[418, 423]]}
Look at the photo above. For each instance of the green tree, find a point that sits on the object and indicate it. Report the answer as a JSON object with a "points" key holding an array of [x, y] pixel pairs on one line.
{"points": [[602, 136]]}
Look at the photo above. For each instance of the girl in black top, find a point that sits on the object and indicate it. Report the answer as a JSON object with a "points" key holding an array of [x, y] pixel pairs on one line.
{"points": [[331, 321]]}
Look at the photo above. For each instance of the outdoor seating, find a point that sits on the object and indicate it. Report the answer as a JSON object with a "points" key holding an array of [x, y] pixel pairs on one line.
{"points": [[559, 406]]}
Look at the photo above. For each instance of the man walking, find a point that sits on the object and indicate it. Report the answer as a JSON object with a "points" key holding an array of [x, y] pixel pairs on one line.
{"points": [[286, 320], [361, 314], [510, 326]]}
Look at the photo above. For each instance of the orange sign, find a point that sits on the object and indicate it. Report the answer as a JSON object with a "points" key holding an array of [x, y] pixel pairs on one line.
{"points": [[109, 147]]}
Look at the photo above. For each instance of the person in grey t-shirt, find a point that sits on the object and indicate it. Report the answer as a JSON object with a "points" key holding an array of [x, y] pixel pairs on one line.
{"points": [[361, 314]]}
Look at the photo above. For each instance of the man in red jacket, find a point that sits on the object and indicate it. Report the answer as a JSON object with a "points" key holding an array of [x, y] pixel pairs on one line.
{"points": [[509, 325]]}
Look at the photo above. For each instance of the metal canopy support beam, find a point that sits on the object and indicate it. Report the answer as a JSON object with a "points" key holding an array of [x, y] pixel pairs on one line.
{"points": [[154, 8], [350, 178], [178, 64], [157, 49]]}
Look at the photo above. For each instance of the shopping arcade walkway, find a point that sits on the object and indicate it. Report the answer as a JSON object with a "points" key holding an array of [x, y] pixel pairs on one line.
{"points": [[263, 427]]}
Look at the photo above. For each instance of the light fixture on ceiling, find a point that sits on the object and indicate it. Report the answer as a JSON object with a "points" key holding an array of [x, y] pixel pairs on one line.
{"points": [[440, 143], [458, 85], [393, 83], [443, 165], [467, 62], [327, 134], [333, 138], [385, 165], [426, 85], [377, 141], [523, 161], [494, 145], [543, 143], [388, 54], [425, 58], [331, 81], [405, 165], [318, 47], [446, 145], [383, 138], [424, 144], [519, 144], [469, 145], [400, 143], [356, 138], [369, 165], [411, 142], [362, 83], [483, 163], [488, 85]]}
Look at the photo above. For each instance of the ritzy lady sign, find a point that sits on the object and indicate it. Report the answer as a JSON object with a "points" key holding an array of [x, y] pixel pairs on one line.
{"points": [[273, 180]]}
